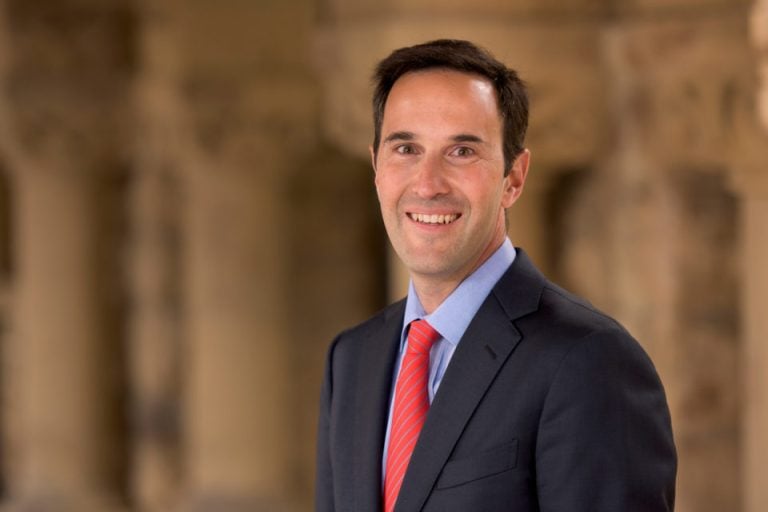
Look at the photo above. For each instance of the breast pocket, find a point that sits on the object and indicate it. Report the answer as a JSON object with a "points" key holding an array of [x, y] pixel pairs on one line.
{"points": [[481, 465]]}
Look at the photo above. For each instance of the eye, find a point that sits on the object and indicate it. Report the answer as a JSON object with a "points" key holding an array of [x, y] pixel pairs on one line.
{"points": [[462, 151], [405, 149]]}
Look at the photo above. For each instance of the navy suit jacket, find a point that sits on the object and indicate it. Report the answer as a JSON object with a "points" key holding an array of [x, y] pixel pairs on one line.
{"points": [[547, 405]]}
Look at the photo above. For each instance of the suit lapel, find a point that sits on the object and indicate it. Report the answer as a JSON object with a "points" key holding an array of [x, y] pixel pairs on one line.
{"points": [[485, 347], [372, 408]]}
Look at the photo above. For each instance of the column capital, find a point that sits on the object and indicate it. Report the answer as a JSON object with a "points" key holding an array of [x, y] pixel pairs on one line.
{"points": [[67, 126], [239, 125], [759, 33], [759, 25], [65, 70]]}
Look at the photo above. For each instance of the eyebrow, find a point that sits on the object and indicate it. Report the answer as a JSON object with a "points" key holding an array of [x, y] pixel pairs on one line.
{"points": [[399, 136], [408, 136], [466, 137]]}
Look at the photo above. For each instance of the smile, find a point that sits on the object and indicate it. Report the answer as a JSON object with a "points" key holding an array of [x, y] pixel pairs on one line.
{"points": [[434, 218]]}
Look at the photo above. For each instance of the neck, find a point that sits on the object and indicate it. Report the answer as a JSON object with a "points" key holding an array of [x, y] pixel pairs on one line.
{"points": [[432, 290], [431, 293]]}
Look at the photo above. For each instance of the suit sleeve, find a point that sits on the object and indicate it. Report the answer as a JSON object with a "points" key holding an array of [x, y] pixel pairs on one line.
{"points": [[324, 495], [605, 437]]}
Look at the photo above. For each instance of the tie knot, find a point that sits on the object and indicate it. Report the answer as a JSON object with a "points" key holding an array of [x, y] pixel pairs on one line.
{"points": [[421, 337]]}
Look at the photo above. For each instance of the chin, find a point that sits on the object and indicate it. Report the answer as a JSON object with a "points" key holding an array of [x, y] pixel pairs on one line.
{"points": [[427, 267]]}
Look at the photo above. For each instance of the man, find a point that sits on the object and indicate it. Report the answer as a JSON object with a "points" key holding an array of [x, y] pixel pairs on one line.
{"points": [[488, 388]]}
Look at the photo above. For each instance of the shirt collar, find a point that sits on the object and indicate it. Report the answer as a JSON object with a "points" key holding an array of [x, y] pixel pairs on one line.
{"points": [[453, 316]]}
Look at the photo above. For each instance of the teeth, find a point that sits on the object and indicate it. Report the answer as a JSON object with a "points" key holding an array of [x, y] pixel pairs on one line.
{"points": [[434, 218]]}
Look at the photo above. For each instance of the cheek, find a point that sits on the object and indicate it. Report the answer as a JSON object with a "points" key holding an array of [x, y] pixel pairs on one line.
{"points": [[386, 187], [387, 201], [381, 186], [483, 195]]}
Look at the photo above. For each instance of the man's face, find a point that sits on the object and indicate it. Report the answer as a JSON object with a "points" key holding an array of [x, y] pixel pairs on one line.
{"points": [[440, 173]]}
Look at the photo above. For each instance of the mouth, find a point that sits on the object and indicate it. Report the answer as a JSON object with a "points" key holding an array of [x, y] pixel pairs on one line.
{"points": [[433, 219]]}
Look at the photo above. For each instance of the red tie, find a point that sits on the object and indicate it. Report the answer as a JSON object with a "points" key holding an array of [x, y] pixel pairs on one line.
{"points": [[410, 409]]}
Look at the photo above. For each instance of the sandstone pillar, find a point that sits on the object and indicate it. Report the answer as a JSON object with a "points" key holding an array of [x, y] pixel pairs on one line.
{"points": [[527, 220], [246, 108], [155, 348], [236, 442], [753, 188], [155, 323], [759, 33], [397, 284], [64, 402], [754, 209], [65, 71]]}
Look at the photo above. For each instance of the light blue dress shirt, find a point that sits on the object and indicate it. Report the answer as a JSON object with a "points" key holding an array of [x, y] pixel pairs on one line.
{"points": [[450, 319]]}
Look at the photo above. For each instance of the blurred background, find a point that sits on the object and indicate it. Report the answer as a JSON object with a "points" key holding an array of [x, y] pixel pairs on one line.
{"points": [[187, 218]]}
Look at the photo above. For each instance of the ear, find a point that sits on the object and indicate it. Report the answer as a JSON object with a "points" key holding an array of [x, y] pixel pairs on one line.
{"points": [[515, 180]]}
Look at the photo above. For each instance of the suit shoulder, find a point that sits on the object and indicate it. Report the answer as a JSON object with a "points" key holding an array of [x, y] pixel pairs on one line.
{"points": [[564, 307], [575, 339], [570, 337], [527, 296], [539, 307], [563, 321]]}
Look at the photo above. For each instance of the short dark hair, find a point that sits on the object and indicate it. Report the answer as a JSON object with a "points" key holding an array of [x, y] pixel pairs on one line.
{"points": [[452, 54]]}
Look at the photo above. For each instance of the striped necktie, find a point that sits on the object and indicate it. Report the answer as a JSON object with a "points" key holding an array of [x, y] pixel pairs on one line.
{"points": [[410, 408]]}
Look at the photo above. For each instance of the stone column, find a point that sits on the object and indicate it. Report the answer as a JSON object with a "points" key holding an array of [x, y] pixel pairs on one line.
{"points": [[759, 33], [754, 211], [155, 348], [754, 195], [397, 284], [244, 116], [65, 72], [64, 402], [155, 323], [247, 107], [527, 220], [236, 443]]}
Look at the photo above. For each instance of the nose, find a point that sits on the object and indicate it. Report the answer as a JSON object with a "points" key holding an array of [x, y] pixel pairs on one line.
{"points": [[430, 180]]}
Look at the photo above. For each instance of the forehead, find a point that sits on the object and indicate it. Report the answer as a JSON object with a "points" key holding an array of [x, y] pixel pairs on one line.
{"points": [[441, 78], [442, 96]]}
